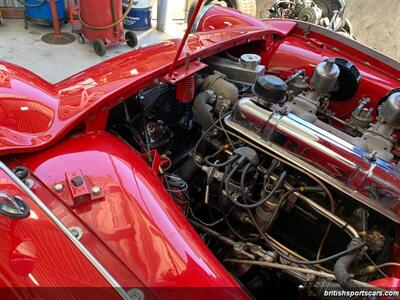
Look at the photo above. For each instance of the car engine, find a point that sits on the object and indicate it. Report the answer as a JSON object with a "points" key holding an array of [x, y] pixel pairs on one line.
{"points": [[288, 196], [330, 14]]}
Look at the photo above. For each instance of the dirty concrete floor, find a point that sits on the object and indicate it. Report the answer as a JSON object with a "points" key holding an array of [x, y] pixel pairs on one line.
{"points": [[56, 62]]}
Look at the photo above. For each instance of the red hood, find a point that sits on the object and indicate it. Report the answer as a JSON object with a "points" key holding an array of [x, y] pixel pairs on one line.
{"points": [[35, 113]]}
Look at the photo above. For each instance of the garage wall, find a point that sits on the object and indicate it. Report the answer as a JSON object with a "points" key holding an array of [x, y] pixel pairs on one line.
{"points": [[10, 3]]}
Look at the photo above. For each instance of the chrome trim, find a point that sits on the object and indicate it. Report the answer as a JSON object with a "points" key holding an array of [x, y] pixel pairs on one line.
{"points": [[110, 279], [200, 16], [350, 162]]}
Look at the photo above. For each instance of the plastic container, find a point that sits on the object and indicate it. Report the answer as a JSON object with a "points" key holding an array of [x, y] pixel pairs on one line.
{"points": [[139, 18], [42, 14]]}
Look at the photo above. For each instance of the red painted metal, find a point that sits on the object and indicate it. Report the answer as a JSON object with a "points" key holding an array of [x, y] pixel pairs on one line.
{"points": [[84, 96], [387, 283], [185, 37], [138, 220], [135, 230], [375, 82], [185, 89], [304, 51], [55, 202], [34, 254], [95, 13], [73, 12]]}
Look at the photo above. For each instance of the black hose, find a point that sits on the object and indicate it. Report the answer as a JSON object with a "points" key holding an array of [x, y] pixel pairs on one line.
{"points": [[277, 185], [224, 214], [33, 5], [243, 178], [278, 208], [201, 110], [204, 134], [342, 265]]}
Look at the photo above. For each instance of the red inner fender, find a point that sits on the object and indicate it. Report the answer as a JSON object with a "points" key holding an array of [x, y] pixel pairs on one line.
{"points": [[136, 218]]}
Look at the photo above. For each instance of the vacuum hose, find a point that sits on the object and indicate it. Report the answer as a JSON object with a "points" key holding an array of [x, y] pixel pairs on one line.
{"points": [[341, 268], [32, 5], [110, 25], [202, 111]]}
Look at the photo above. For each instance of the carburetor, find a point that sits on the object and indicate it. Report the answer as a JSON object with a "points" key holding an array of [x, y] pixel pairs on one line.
{"points": [[379, 137], [376, 138]]}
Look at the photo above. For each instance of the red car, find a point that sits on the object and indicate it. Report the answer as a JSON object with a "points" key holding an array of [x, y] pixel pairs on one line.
{"points": [[262, 161]]}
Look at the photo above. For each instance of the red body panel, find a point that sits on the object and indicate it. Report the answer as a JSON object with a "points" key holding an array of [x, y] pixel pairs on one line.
{"points": [[34, 253], [136, 219], [98, 88], [304, 51], [376, 81], [134, 228]]}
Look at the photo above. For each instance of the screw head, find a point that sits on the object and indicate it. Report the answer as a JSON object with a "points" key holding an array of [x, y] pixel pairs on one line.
{"points": [[372, 156], [59, 187], [76, 232], [96, 190]]}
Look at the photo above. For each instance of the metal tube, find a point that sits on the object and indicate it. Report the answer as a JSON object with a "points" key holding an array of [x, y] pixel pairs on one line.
{"points": [[351, 231], [326, 156], [186, 35], [162, 14], [330, 216], [266, 264], [235, 245], [56, 21]]}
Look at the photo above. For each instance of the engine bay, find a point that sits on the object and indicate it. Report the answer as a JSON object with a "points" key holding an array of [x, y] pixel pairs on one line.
{"points": [[288, 196]]}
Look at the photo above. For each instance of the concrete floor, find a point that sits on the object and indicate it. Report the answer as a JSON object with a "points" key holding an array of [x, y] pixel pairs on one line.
{"points": [[56, 62]]}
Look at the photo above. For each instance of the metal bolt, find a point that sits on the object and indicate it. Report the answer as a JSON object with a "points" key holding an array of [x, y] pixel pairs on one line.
{"points": [[59, 187], [77, 181], [96, 190], [136, 294], [29, 183], [76, 231], [372, 156]]}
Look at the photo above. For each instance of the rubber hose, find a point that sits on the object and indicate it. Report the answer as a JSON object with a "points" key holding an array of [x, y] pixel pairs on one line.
{"points": [[110, 25], [342, 265], [38, 4], [201, 110]]}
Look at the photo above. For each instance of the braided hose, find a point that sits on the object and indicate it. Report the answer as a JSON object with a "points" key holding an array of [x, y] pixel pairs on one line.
{"points": [[106, 26], [33, 5]]}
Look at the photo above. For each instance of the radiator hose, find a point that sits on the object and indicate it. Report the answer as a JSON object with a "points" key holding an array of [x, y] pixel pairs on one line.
{"points": [[202, 110], [341, 268]]}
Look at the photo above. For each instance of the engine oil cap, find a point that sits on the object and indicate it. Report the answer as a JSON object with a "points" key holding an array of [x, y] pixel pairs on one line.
{"points": [[270, 89], [250, 61]]}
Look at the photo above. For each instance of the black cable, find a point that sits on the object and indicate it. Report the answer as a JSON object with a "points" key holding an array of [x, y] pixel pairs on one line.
{"points": [[33, 5], [224, 215], [203, 136], [278, 207], [277, 185], [243, 178], [222, 164]]}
